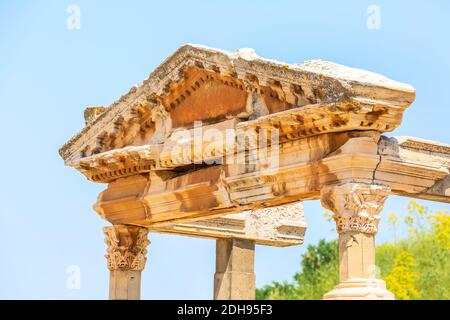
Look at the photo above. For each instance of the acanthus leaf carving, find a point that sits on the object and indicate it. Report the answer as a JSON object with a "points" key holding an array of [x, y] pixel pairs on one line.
{"points": [[127, 247], [356, 207]]}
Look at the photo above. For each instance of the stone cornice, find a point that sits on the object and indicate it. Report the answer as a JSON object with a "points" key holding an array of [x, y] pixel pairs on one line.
{"points": [[291, 125], [111, 165], [315, 82]]}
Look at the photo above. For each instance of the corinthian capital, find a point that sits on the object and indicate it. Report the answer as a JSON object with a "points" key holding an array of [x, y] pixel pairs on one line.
{"points": [[127, 247], [356, 206]]}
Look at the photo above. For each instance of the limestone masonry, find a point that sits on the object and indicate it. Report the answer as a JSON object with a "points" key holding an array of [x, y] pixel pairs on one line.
{"points": [[226, 145]]}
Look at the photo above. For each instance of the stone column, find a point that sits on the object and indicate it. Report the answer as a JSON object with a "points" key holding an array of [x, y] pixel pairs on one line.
{"points": [[356, 208], [235, 275], [126, 256]]}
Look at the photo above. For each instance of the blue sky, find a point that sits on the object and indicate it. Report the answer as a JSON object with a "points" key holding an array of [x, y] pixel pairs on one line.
{"points": [[48, 74]]}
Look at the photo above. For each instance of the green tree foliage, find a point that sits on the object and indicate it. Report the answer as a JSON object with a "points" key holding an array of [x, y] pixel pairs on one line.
{"points": [[415, 267], [319, 274], [401, 280]]}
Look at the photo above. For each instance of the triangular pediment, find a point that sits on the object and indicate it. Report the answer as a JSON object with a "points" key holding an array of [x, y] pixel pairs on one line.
{"points": [[198, 83]]}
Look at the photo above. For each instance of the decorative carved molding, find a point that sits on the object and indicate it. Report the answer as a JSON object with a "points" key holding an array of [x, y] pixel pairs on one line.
{"points": [[424, 145], [379, 101], [356, 206], [127, 247], [275, 226], [178, 150], [396, 146], [305, 167], [92, 113], [163, 124], [114, 164]]}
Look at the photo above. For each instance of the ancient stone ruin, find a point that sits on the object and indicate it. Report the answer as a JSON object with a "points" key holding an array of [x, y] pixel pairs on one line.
{"points": [[226, 146]]}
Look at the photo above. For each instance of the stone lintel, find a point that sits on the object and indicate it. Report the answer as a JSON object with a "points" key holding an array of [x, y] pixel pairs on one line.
{"points": [[277, 226], [303, 168], [415, 167]]}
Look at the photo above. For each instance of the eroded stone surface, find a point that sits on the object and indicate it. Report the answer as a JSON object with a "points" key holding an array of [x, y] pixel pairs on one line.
{"points": [[356, 210], [126, 247], [416, 167], [303, 168], [278, 226], [299, 132], [200, 83], [126, 257]]}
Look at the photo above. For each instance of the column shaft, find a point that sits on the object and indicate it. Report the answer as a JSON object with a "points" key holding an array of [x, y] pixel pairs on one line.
{"points": [[124, 285], [356, 256], [235, 276]]}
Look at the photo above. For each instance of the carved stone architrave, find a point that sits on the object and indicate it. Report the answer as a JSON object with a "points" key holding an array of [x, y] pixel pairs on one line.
{"points": [[127, 247], [282, 225]]}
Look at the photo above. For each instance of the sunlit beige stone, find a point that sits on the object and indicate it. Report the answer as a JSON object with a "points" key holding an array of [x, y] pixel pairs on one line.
{"points": [[271, 134], [276, 226], [126, 257], [235, 276], [356, 210]]}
